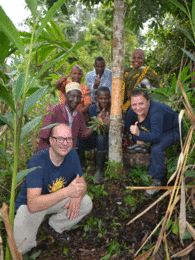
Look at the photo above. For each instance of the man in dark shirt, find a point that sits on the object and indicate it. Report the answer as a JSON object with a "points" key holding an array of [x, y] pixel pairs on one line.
{"points": [[66, 113], [56, 186], [101, 110]]}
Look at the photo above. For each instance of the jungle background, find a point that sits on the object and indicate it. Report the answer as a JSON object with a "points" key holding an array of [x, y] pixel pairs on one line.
{"points": [[55, 39]]}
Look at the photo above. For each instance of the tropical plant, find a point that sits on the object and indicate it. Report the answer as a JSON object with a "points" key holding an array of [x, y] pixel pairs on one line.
{"points": [[16, 97]]}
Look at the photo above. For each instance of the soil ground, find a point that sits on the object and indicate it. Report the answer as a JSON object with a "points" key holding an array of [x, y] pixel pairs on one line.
{"points": [[104, 233]]}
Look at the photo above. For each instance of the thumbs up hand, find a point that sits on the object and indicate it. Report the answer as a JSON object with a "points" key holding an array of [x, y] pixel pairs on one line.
{"points": [[134, 129], [97, 82]]}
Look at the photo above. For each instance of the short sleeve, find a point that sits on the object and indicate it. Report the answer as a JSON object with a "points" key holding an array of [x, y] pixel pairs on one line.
{"points": [[34, 179]]}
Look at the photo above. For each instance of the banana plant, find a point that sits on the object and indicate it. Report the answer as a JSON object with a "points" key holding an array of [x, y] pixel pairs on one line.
{"points": [[51, 47], [17, 100]]}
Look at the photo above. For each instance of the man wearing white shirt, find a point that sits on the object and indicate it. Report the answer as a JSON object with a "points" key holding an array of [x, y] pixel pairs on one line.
{"points": [[99, 77]]}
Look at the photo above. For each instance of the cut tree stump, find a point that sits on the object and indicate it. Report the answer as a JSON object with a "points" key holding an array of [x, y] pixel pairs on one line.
{"points": [[130, 160]]}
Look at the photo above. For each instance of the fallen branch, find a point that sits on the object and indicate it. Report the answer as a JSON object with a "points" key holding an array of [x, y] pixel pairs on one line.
{"points": [[157, 187], [4, 129], [185, 251], [11, 241], [148, 208], [1, 248], [149, 237]]}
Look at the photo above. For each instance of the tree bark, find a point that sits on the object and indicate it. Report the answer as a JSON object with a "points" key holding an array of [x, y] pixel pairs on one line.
{"points": [[115, 139]]}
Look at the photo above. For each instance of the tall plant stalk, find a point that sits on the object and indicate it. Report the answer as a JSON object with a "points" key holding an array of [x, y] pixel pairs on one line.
{"points": [[21, 90]]}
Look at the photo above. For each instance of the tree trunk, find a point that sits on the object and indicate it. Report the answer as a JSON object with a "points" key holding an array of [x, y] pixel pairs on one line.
{"points": [[115, 140]]}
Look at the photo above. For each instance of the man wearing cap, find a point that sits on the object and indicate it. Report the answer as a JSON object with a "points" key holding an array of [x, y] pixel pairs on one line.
{"points": [[99, 77], [66, 113], [76, 75]]}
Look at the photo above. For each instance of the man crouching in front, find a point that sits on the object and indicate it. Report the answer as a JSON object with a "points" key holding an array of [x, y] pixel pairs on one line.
{"points": [[56, 187]]}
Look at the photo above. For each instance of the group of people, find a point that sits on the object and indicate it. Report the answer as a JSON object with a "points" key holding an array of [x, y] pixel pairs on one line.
{"points": [[56, 186]]}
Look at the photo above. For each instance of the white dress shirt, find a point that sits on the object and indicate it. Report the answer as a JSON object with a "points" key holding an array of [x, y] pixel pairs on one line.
{"points": [[105, 81]]}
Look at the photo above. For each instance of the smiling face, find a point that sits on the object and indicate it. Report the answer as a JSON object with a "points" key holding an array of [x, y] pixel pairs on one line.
{"points": [[103, 98], [140, 105], [99, 67], [137, 60], [73, 98], [61, 149], [76, 74]]}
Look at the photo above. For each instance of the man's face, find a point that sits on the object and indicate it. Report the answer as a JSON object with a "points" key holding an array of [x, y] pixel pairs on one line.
{"points": [[62, 148], [137, 60], [103, 98], [99, 67], [76, 75], [73, 98]]}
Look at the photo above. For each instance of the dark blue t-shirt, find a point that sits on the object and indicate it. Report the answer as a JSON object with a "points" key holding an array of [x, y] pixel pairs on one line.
{"points": [[160, 119], [48, 176]]}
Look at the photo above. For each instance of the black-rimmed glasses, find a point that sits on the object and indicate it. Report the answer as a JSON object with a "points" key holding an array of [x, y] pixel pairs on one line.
{"points": [[61, 140]]}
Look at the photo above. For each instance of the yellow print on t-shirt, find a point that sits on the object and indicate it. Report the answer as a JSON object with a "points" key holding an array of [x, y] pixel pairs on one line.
{"points": [[57, 184]]}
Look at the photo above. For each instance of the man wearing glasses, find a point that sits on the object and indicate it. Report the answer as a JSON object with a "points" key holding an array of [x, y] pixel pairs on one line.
{"points": [[56, 187]]}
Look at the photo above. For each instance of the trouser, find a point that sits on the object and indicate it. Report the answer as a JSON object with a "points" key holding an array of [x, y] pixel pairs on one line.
{"points": [[26, 224], [95, 140], [157, 156]]}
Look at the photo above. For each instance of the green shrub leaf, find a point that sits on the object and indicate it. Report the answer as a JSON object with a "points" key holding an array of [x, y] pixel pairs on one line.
{"points": [[30, 126], [31, 100], [6, 97], [10, 30]]}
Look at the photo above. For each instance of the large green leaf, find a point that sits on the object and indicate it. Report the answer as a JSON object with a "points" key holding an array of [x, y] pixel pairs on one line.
{"points": [[44, 52], [31, 100], [193, 14], [187, 34], [4, 46], [6, 119], [23, 173], [19, 87], [32, 5], [4, 155], [30, 126], [6, 97], [10, 30], [59, 34], [64, 56], [192, 56], [48, 17], [181, 7]]}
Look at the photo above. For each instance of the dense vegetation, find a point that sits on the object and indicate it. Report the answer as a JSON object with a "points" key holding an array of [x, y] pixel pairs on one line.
{"points": [[58, 39]]}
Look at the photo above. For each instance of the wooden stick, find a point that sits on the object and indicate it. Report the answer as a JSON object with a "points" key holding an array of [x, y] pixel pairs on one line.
{"points": [[1, 248], [156, 187], [4, 128], [16, 255]]}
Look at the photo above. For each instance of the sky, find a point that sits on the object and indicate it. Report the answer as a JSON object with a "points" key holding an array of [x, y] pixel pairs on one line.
{"points": [[14, 9]]}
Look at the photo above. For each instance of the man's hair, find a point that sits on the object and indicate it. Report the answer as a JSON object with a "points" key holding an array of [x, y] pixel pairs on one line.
{"points": [[103, 89], [140, 92], [99, 59], [77, 66], [53, 128]]}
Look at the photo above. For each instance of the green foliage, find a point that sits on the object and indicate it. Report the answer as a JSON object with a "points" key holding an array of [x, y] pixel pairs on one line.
{"points": [[113, 170], [97, 125], [139, 175], [113, 248]]}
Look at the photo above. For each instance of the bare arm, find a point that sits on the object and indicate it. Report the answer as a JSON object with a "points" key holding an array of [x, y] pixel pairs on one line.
{"points": [[38, 202], [85, 108], [60, 83]]}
